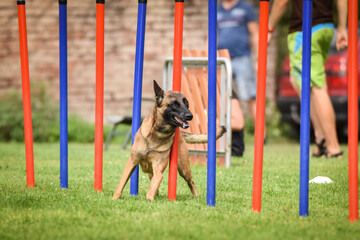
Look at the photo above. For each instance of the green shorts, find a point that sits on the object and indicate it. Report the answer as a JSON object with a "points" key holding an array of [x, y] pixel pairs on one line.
{"points": [[321, 36]]}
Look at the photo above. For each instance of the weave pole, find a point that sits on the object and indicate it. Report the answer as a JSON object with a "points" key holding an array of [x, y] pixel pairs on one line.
{"points": [[178, 38], [99, 99], [353, 112], [30, 179], [63, 94], [139, 58], [211, 154], [260, 105], [305, 110]]}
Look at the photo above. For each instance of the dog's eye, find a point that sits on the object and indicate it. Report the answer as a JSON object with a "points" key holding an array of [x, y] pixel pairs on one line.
{"points": [[185, 101], [175, 104]]}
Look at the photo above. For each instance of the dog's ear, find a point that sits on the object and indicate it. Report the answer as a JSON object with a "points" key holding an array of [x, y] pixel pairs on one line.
{"points": [[159, 94]]}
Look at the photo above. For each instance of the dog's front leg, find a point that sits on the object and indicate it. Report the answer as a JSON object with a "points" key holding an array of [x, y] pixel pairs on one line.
{"points": [[158, 168], [150, 177], [128, 170]]}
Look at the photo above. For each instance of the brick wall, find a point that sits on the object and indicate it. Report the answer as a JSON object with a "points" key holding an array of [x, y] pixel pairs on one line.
{"points": [[120, 40]]}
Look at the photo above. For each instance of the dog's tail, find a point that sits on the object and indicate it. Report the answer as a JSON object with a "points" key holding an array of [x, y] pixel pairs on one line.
{"points": [[202, 138]]}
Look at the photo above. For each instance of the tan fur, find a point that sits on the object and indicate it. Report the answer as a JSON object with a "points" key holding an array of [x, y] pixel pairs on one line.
{"points": [[151, 149], [202, 138]]}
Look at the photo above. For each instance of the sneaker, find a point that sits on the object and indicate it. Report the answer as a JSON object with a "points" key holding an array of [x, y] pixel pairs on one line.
{"points": [[237, 143]]}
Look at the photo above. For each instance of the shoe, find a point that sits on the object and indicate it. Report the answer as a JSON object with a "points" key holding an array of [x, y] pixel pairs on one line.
{"points": [[322, 149], [237, 143], [336, 155]]}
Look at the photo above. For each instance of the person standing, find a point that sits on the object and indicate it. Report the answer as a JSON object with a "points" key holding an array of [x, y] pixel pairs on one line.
{"points": [[238, 31], [322, 112]]}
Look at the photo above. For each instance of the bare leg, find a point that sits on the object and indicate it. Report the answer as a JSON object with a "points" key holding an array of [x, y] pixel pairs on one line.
{"points": [[237, 116], [318, 132], [320, 140], [324, 127], [252, 108], [316, 122], [323, 107]]}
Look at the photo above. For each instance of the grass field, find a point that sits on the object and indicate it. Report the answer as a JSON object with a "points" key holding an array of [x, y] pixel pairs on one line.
{"points": [[48, 212]]}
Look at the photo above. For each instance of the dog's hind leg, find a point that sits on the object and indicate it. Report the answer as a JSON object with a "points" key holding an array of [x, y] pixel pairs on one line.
{"points": [[185, 173], [184, 166], [128, 170]]}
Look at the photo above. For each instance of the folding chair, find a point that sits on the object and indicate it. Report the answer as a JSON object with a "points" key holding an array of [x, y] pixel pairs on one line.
{"points": [[195, 88]]}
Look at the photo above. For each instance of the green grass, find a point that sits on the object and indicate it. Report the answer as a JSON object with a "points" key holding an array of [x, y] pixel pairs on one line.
{"points": [[48, 212]]}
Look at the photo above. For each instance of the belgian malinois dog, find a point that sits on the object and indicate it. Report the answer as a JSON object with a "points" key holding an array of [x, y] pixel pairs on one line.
{"points": [[153, 141]]}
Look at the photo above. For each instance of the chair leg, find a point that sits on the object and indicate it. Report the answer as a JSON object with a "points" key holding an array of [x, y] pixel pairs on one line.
{"points": [[127, 139], [111, 134]]}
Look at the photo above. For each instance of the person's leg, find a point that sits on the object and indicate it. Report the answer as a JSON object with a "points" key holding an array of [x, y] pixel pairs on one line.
{"points": [[319, 136], [323, 111], [322, 106], [237, 117], [237, 129], [246, 84], [316, 123], [241, 74], [250, 87], [252, 108]]}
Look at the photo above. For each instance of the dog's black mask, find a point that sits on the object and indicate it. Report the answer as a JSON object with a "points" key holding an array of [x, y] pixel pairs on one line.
{"points": [[176, 113]]}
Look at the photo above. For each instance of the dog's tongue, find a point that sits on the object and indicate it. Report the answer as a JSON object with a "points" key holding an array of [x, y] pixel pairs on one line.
{"points": [[184, 124]]}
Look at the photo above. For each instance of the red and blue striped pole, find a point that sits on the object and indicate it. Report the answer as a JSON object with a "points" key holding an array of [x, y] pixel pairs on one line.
{"points": [[63, 94], [30, 179], [305, 110], [260, 105], [211, 159], [178, 38], [353, 112], [139, 58], [99, 92]]}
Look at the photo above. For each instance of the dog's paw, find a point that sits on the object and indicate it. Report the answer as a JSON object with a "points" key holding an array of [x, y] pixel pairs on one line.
{"points": [[149, 197], [116, 197], [195, 193]]}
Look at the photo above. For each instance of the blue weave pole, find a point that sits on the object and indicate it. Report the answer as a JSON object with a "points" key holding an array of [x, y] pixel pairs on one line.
{"points": [[305, 110], [211, 155], [139, 58], [63, 94]]}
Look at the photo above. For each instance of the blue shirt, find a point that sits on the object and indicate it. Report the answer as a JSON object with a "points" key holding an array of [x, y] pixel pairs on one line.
{"points": [[233, 32]]}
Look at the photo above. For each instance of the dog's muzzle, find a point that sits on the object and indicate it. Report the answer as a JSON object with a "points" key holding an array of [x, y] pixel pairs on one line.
{"points": [[183, 124]]}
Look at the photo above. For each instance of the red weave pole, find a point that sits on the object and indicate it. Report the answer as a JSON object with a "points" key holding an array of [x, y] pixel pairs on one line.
{"points": [[99, 105], [260, 106], [26, 95], [353, 111], [178, 35]]}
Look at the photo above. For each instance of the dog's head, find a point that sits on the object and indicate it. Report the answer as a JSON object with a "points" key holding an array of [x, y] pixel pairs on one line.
{"points": [[173, 106]]}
